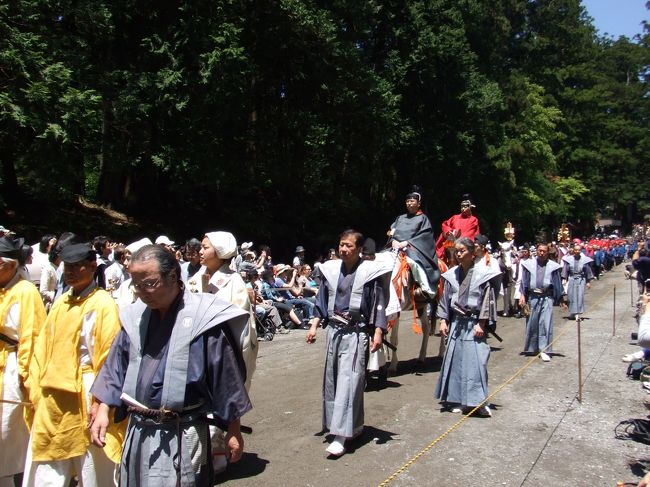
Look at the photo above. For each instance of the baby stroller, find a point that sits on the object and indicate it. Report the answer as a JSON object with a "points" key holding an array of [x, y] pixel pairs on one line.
{"points": [[264, 325]]}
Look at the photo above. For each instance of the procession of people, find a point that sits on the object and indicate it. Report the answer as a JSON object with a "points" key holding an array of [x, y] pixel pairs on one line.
{"points": [[131, 364]]}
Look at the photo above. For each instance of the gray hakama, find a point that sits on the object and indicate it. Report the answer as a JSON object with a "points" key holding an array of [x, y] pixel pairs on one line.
{"points": [[542, 287], [344, 381], [578, 273], [186, 363], [463, 376], [361, 295]]}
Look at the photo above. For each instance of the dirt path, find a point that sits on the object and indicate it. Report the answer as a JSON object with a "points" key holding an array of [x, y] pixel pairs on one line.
{"points": [[539, 433]]}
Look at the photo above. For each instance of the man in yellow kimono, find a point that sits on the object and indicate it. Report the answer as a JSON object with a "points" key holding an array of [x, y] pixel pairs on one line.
{"points": [[21, 316], [69, 351]]}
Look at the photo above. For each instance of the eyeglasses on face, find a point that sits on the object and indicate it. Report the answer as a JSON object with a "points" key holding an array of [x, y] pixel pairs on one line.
{"points": [[146, 286]]}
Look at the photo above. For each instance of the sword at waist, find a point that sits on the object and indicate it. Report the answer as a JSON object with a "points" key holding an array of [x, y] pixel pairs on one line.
{"points": [[12, 342]]}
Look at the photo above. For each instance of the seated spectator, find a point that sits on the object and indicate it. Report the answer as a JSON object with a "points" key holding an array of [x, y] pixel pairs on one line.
{"points": [[248, 264], [299, 258], [643, 338], [239, 258], [270, 293], [308, 286], [644, 323], [289, 292], [262, 307], [264, 261]]}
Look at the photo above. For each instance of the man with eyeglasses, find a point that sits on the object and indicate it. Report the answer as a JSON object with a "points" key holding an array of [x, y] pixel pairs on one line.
{"points": [[175, 361], [464, 224], [69, 351]]}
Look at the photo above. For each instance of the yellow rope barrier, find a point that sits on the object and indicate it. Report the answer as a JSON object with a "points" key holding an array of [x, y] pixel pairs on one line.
{"points": [[421, 453]]}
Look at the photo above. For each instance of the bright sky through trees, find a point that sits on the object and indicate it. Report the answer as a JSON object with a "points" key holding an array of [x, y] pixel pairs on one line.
{"points": [[618, 17]]}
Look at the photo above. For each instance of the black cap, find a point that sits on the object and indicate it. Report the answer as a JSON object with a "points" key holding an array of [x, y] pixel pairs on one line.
{"points": [[481, 240], [299, 249], [74, 253], [369, 247], [11, 248]]}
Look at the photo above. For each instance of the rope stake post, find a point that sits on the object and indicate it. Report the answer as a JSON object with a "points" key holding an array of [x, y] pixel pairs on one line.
{"points": [[487, 400], [614, 312], [578, 320]]}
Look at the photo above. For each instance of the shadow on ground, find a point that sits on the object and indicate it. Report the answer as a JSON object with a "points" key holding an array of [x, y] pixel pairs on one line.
{"points": [[250, 465]]}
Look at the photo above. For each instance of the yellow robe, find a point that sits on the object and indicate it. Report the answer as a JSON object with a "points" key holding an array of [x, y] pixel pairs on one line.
{"points": [[56, 382], [21, 316]]}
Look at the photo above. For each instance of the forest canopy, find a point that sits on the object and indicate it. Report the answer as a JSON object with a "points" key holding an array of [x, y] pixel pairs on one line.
{"points": [[291, 119]]}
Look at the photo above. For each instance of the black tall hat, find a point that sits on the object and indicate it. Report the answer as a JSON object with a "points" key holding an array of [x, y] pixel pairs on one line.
{"points": [[10, 247]]}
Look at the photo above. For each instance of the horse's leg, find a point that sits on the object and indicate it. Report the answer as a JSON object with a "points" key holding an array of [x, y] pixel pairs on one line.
{"points": [[394, 334], [511, 292], [442, 346], [426, 325]]}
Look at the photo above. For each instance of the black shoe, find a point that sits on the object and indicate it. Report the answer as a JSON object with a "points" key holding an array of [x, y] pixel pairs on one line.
{"points": [[517, 315], [305, 325]]}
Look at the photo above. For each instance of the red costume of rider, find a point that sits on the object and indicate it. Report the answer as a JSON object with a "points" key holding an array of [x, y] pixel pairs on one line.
{"points": [[462, 225]]}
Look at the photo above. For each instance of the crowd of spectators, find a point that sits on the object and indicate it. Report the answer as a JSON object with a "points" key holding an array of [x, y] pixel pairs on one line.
{"points": [[284, 292]]}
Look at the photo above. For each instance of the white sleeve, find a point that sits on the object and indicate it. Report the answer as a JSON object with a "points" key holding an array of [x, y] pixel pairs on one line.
{"points": [[644, 330]]}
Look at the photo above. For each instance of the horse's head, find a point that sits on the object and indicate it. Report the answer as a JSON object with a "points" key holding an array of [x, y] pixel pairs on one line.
{"points": [[506, 253]]}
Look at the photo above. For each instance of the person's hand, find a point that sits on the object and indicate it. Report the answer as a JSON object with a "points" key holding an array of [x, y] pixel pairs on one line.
{"points": [[99, 425], [645, 481], [311, 334], [377, 340], [92, 412], [522, 301], [588, 285], [479, 330], [234, 442], [395, 244], [444, 328]]}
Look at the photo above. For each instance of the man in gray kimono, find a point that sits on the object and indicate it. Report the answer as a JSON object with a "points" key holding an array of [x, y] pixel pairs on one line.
{"points": [[174, 361], [466, 311], [541, 287], [579, 275], [352, 299]]}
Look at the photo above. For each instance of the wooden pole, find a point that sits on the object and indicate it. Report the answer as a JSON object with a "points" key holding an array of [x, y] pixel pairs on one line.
{"points": [[578, 320], [614, 312]]}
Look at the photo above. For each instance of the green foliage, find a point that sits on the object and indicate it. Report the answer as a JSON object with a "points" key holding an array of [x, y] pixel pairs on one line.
{"points": [[298, 117]]}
